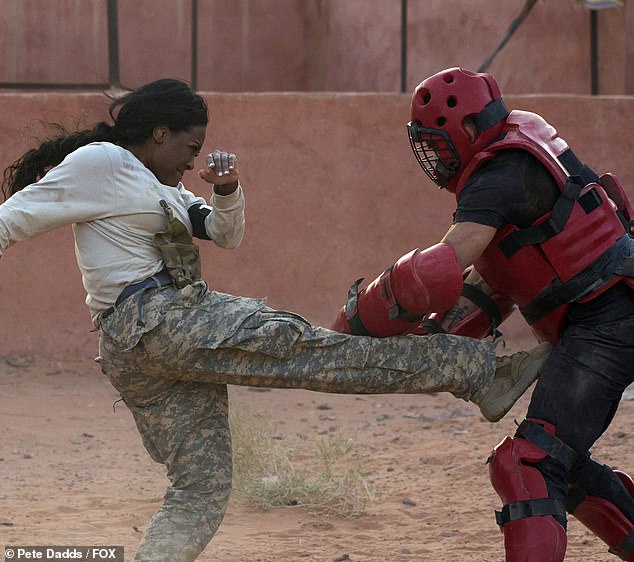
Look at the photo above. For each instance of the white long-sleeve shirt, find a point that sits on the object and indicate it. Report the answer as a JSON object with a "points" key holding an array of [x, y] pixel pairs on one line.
{"points": [[112, 201]]}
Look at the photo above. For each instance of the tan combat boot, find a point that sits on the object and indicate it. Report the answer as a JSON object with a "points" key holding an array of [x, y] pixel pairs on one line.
{"points": [[513, 375]]}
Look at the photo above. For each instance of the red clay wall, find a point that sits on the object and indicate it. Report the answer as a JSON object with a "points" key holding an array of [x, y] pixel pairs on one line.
{"points": [[333, 194], [316, 45]]}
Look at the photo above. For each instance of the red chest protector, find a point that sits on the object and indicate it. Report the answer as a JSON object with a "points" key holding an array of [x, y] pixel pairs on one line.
{"points": [[571, 254]]}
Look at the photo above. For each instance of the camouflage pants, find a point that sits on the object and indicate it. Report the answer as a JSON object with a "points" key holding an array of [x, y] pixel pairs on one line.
{"points": [[172, 355]]}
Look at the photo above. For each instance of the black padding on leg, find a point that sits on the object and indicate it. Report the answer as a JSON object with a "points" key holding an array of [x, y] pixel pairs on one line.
{"points": [[576, 494], [599, 480]]}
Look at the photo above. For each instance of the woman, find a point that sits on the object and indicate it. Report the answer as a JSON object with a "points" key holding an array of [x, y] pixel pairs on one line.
{"points": [[168, 344]]}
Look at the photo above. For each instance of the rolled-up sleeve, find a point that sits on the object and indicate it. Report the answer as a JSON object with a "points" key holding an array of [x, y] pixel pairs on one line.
{"points": [[225, 224]]}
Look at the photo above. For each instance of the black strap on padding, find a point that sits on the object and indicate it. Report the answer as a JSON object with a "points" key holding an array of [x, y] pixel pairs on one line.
{"points": [[484, 302], [357, 327], [576, 167], [545, 230], [432, 326], [589, 201], [529, 508], [477, 297], [493, 112], [548, 443], [396, 311], [580, 175], [618, 259], [548, 300], [407, 316]]}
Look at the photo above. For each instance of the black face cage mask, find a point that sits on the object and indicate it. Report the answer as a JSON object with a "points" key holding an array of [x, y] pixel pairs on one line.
{"points": [[435, 152]]}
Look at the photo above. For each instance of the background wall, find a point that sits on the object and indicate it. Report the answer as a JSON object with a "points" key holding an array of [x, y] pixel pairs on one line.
{"points": [[315, 45], [333, 194]]}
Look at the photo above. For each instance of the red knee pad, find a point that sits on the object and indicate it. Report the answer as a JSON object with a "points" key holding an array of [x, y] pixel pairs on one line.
{"points": [[531, 533]]}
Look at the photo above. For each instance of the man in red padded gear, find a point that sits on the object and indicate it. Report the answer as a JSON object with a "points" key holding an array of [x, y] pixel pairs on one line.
{"points": [[535, 229]]}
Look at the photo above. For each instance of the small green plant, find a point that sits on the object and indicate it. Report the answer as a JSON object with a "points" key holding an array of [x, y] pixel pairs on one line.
{"points": [[328, 480]]}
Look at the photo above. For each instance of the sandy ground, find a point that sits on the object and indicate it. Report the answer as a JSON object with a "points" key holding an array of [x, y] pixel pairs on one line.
{"points": [[73, 472]]}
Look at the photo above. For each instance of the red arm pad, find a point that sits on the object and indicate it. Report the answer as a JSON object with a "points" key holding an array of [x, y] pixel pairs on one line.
{"points": [[418, 283], [615, 191]]}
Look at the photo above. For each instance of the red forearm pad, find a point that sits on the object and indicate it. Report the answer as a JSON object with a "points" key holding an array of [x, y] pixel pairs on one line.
{"points": [[419, 282], [427, 281]]}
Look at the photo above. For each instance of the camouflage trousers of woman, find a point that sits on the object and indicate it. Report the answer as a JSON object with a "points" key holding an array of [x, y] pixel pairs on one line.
{"points": [[170, 353]]}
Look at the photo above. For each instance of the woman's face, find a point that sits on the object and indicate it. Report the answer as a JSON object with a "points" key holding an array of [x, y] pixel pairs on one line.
{"points": [[174, 152]]}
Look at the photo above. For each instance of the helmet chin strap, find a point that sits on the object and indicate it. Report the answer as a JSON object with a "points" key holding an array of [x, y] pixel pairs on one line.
{"points": [[443, 173], [493, 112]]}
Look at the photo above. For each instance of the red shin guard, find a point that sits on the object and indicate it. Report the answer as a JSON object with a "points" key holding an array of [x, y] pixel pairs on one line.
{"points": [[607, 521]]}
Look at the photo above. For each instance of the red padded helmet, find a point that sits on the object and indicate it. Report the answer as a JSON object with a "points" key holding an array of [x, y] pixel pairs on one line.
{"points": [[455, 114]]}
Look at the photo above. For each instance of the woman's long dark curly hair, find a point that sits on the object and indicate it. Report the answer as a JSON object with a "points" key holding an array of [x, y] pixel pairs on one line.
{"points": [[167, 102]]}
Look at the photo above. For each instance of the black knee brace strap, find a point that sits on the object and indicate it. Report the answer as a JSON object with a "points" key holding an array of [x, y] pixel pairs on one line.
{"points": [[548, 443], [529, 508]]}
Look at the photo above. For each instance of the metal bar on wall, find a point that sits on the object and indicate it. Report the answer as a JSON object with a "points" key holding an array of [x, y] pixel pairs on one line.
{"points": [[194, 56], [114, 77], [594, 53], [403, 46], [52, 86]]}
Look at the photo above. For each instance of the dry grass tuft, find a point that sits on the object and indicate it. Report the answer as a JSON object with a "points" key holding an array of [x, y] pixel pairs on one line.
{"points": [[325, 476]]}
